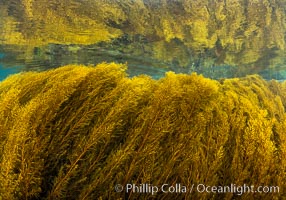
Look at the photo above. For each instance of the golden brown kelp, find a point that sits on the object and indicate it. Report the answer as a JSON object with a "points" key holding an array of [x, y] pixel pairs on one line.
{"points": [[75, 132]]}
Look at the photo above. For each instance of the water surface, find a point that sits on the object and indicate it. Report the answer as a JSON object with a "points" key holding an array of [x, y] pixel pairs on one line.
{"points": [[219, 39]]}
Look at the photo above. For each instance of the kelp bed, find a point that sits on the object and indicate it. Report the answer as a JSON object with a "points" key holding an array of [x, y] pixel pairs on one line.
{"points": [[76, 131]]}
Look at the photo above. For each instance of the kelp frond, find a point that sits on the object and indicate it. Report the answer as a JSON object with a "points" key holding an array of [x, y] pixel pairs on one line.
{"points": [[76, 131]]}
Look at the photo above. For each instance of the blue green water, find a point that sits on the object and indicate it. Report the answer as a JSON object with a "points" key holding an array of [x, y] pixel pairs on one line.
{"points": [[134, 69], [6, 71]]}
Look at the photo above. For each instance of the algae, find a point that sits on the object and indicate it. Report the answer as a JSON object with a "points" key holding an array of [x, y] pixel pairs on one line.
{"points": [[77, 131]]}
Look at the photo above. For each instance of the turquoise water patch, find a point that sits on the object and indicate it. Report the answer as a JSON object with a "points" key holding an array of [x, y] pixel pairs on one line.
{"points": [[5, 72]]}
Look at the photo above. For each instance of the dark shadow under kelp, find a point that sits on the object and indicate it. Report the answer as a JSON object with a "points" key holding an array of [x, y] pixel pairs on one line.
{"points": [[75, 132]]}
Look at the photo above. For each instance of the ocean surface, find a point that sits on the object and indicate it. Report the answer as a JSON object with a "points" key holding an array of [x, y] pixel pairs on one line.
{"points": [[217, 40]]}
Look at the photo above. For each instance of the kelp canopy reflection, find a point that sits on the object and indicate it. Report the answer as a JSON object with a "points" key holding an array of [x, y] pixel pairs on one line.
{"points": [[216, 38]]}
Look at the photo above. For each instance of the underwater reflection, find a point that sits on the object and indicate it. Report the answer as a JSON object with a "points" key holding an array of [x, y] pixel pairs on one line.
{"points": [[219, 39]]}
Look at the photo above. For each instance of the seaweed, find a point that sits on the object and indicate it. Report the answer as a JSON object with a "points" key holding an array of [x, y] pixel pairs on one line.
{"points": [[76, 131]]}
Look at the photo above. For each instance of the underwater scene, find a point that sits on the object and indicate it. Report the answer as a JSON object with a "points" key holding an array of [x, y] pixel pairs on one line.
{"points": [[142, 99]]}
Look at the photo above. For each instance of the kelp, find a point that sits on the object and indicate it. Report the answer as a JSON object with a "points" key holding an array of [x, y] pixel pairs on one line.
{"points": [[76, 131]]}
